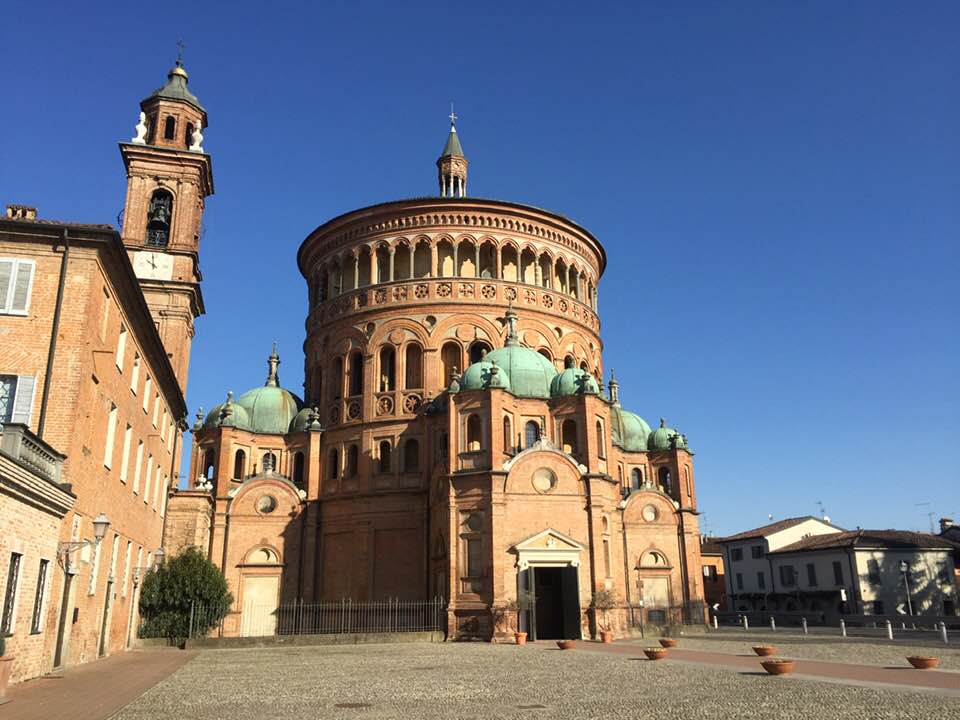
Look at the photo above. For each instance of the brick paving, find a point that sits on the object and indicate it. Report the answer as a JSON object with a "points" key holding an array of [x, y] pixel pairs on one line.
{"points": [[94, 690], [905, 676]]}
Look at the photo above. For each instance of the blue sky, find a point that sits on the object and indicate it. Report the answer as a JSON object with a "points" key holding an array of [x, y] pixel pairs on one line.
{"points": [[776, 184]]}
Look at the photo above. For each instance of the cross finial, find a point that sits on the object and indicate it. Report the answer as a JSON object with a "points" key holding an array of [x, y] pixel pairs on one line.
{"points": [[180, 46], [453, 115]]}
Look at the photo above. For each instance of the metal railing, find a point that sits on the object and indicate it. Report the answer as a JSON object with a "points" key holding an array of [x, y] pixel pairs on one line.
{"points": [[314, 618]]}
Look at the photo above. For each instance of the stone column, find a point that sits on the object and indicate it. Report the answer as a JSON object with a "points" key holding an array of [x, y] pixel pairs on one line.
{"points": [[434, 269], [476, 261], [356, 271], [392, 252]]}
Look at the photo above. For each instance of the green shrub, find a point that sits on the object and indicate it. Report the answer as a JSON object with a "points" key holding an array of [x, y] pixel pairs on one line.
{"points": [[169, 592]]}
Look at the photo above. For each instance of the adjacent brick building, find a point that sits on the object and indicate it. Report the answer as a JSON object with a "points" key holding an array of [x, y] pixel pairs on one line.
{"points": [[96, 329], [455, 441]]}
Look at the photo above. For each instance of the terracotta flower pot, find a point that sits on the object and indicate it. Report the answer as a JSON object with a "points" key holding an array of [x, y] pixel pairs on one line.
{"points": [[520, 638], [566, 644], [606, 636], [668, 642], [6, 665], [765, 650], [655, 653], [923, 662], [778, 667]]}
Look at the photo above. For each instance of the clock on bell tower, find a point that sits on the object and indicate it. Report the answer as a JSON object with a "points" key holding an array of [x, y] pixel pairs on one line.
{"points": [[169, 177]]}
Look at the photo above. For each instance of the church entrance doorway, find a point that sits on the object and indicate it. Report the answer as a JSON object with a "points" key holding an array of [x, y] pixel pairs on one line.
{"points": [[548, 566], [556, 610], [259, 616]]}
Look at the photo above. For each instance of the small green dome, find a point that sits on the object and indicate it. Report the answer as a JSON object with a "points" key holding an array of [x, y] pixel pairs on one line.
{"points": [[270, 408], [482, 376], [530, 373], [629, 430], [574, 381], [237, 418], [663, 438], [303, 420]]}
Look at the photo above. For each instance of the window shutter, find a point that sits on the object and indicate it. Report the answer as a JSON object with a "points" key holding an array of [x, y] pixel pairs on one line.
{"points": [[21, 288], [6, 272], [23, 400]]}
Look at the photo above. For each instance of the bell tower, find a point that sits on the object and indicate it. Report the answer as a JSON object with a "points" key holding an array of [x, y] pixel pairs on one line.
{"points": [[452, 165], [169, 177]]}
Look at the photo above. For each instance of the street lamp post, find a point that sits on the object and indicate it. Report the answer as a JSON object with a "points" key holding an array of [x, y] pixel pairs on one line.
{"points": [[905, 569], [100, 524]]}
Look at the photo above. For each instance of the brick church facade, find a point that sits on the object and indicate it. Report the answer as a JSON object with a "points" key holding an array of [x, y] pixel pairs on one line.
{"points": [[454, 439]]}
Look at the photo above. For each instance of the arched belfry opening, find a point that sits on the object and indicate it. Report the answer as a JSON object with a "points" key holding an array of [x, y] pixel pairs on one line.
{"points": [[158, 218]]}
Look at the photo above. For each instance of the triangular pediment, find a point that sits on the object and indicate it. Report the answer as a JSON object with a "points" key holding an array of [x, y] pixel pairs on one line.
{"points": [[549, 539]]}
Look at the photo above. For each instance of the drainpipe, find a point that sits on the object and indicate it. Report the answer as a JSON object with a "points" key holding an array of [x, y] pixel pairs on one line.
{"points": [[593, 570], [54, 330], [626, 562], [684, 576]]}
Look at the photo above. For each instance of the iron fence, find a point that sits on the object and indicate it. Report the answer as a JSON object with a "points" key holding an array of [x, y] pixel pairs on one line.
{"points": [[308, 618]]}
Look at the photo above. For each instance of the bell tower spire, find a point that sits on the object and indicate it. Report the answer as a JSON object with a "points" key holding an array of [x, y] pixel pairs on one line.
{"points": [[169, 177], [452, 164]]}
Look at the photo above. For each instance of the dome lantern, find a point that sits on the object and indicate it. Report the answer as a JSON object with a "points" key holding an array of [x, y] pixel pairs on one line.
{"points": [[452, 164]]}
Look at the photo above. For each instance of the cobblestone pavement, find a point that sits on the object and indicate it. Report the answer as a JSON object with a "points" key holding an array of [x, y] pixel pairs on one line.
{"points": [[864, 652], [498, 681]]}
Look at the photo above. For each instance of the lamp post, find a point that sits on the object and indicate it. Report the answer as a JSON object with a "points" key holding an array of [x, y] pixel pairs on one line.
{"points": [[158, 556], [905, 569], [100, 524]]}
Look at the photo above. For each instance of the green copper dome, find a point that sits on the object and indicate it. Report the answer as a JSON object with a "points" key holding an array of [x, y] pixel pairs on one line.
{"points": [[271, 409], [629, 430], [530, 372], [484, 375], [304, 420], [237, 417], [666, 438], [574, 381], [176, 88]]}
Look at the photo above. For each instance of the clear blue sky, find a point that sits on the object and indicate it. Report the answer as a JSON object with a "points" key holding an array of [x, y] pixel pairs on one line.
{"points": [[777, 185]]}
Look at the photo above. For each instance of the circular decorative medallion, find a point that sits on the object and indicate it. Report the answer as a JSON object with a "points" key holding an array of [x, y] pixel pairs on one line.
{"points": [[397, 336], [466, 290], [544, 480], [411, 403], [548, 301], [400, 293], [562, 305], [510, 293], [444, 289], [489, 292], [650, 513], [380, 296], [266, 504], [420, 291], [353, 410], [385, 405]]}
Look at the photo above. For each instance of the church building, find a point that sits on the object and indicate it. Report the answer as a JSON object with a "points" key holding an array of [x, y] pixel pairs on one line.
{"points": [[453, 439]]}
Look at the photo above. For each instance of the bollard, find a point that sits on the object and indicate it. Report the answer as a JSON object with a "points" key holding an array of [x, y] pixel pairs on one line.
{"points": [[843, 628], [746, 623], [804, 622], [943, 631], [889, 630], [715, 625], [773, 624]]}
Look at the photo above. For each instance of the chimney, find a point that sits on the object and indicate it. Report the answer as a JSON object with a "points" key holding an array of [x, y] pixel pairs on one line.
{"points": [[21, 212], [945, 524]]}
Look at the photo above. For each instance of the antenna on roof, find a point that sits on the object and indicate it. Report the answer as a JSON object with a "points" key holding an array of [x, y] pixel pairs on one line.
{"points": [[930, 515], [823, 511], [770, 516]]}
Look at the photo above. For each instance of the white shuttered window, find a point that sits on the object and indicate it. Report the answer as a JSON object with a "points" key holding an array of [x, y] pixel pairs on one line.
{"points": [[16, 398], [16, 281]]}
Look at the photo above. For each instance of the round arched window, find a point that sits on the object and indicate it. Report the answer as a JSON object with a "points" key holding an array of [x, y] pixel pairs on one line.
{"points": [[266, 504]]}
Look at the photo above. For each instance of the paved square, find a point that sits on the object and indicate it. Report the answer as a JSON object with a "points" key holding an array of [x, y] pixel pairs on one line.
{"points": [[413, 681]]}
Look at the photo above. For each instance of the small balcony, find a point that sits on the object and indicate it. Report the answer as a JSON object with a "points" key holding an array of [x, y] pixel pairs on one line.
{"points": [[19, 444]]}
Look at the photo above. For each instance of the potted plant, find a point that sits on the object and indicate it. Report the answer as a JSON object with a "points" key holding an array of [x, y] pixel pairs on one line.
{"points": [[778, 666], [524, 601], [923, 662], [655, 653], [765, 650], [603, 602], [6, 665], [566, 644], [668, 642]]}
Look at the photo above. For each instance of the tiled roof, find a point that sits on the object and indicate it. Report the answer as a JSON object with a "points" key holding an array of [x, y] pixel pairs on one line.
{"points": [[768, 529], [869, 538], [60, 223]]}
